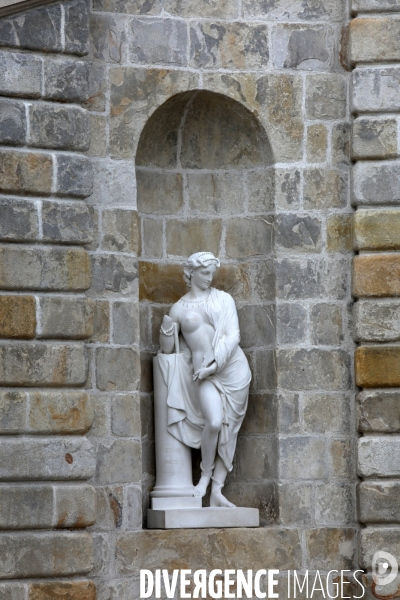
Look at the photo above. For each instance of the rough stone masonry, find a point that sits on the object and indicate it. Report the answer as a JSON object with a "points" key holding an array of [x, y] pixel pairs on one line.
{"points": [[132, 134]]}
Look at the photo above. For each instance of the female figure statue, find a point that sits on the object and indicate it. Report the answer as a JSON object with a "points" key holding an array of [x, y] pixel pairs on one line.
{"points": [[209, 407]]}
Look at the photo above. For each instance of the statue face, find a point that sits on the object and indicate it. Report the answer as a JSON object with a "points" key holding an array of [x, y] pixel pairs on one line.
{"points": [[203, 276]]}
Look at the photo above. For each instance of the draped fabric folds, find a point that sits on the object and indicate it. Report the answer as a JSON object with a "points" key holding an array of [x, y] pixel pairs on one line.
{"points": [[232, 380]]}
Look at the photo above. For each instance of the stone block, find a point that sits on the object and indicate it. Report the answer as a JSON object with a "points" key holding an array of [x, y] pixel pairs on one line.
{"points": [[234, 45], [66, 317], [108, 38], [12, 122], [98, 136], [102, 556], [377, 229], [379, 456], [45, 554], [26, 507], [158, 41], [376, 182], [38, 29], [262, 496], [340, 144], [75, 506], [101, 322], [188, 549], [39, 364], [76, 28], [313, 369], [17, 317], [324, 188], [121, 231], [66, 80], [161, 283], [119, 462], [377, 366], [153, 238], [326, 96], [25, 172], [377, 321], [248, 237], [18, 220], [74, 176], [113, 274], [302, 458], [225, 9], [335, 504], [375, 89], [291, 322], [376, 275], [374, 6], [20, 75], [12, 591], [62, 590], [97, 88], [288, 413], [261, 414], [302, 47], [142, 7], [326, 412], [339, 233], [317, 141], [12, 412], [46, 459], [117, 369], [374, 138], [331, 548], [386, 539], [219, 193], [187, 237], [257, 325], [125, 415], [287, 188], [298, 234], [311, 278], [264, 370], [379, 411], [110, 507], [283, 10], [374, 40], [125, 320], [342, 458], [62, 412], [44, 268], [260, 190], [295, 503], [114, 183], [59, 127], [326, 325], [159, 193], [69, 223], [379, 502]]}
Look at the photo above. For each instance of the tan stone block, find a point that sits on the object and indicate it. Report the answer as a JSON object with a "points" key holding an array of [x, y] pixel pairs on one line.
{"points": [[374, 138], [60, 412], [376, 275], [187, 237], [331, 548], [17, 317], [339, 233], [121, 231], [324, 189], [317, 138], [377, 366], [194, 549], [248, 237], [101, 325], [25, 172], [62, 590], [374, 39], [75, 506], [377, 229], [153, 238]]}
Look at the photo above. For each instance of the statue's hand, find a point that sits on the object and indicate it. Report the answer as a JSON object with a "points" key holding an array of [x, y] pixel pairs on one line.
{"points": [[201, 374]]}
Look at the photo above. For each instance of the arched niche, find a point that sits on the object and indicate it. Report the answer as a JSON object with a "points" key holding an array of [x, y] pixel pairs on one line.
{"points": [[205, 181]]}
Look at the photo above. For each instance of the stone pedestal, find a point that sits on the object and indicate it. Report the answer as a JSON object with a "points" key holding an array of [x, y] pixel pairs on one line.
{"points": [[201, 518]]}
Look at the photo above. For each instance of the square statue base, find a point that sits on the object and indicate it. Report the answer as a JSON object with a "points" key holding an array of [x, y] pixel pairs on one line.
{"points": [[202, 518]]}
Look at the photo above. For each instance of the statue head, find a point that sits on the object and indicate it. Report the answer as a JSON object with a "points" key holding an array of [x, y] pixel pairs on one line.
{"points": [[197, 261]]}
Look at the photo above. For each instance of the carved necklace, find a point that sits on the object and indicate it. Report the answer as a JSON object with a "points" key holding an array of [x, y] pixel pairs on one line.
{"points": [[188, 302]]}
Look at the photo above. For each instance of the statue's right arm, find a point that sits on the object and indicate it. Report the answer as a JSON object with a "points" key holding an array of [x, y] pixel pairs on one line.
{"points": [[167, 341]]}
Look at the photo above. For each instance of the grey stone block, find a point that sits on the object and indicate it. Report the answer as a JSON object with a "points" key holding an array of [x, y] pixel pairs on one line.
{"points": [[58, 127], [12, 412], [248, 237], [216, 193], [75, 506], [288, 413], [313, 369], [379, 502], [326, 412], [331, 548], [326, 96], [70, 223], [377, 321], [37, 29], [125, 415], [152, 240], [376, 89], [257, 325], [12, 591], [264, 370], [374, 138], [256, 457], [341, 144], [287, 188], [45, 554], [125, 319], [117, 369], [335, 504], [74, 176], [158, 41], [8, 36], [379, 456], [301, 47], [97, 88], [114, 183], [302, 458], [291, 323], [12, 122], [18, 220], [59, 412], [376, 183], [374, 6], [63, 317], [114, 275], [311, 278], [325, 188], [77, 27], [379, 411], [119, 462], [121, 231], [46, 459], [226, 9], [385, 538], [20, 75], [108, 38], [295, 503], [299, 234], [326, 325], [294, 10], [66, 80], [141, 7]]}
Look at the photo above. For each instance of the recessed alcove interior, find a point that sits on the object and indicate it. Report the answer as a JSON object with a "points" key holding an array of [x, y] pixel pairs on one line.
{"points": [[205, 181]]}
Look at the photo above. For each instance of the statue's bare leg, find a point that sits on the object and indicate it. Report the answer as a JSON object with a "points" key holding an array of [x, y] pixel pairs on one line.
{"points": [[211, 406], [218, 480]]}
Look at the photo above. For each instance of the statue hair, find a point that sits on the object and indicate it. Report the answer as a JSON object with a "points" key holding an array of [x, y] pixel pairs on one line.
{"points": [[199, 259]]}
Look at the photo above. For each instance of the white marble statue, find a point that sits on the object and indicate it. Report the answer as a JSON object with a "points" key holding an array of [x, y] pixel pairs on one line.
{"points": [[208, 391]]}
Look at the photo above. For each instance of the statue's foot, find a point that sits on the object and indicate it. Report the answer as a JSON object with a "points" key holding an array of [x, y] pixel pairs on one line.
{"points": [[201, 488], [218, 499]]}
